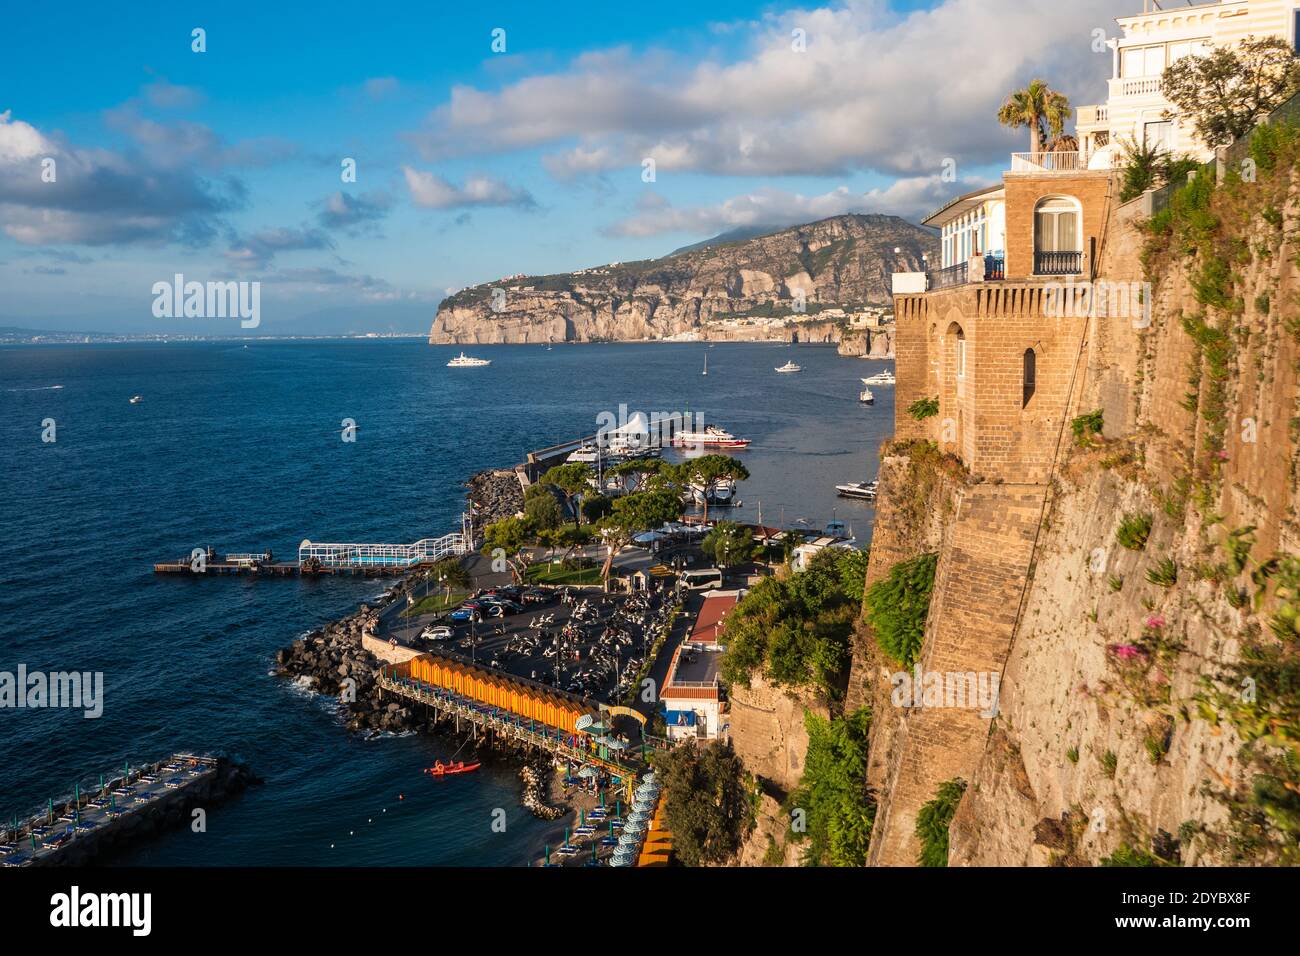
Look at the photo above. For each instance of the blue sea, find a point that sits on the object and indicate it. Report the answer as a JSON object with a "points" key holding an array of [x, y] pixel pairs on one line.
{"points": [[239, 447]]}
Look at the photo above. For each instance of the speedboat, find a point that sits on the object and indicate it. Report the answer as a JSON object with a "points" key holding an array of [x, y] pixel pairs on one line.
{"points": [[465, 361], [137, 399], [790, 367], [866, 398], [712, 435], [865, 490], [720, 494], [880, 378], [440, 769]]}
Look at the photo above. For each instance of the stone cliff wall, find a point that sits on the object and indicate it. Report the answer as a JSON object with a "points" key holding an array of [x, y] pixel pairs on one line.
{"points": [[1121, 719]]}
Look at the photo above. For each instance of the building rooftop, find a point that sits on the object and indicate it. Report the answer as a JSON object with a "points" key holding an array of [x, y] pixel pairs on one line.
{"points": [[955, 207], [694, 672], [708, 623]]}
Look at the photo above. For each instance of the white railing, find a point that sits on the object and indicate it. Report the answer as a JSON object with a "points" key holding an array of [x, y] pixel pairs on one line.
{"points": [[1138, 86], [1063, 162], [1088, 115], [332, 555]]}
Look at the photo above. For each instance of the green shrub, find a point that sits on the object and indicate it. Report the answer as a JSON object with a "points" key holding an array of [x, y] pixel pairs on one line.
{"points": [[933, 820], [1085, 426], [923, 408], [1133, 531], [1164, 573], [1072, 755], [1127, 855], [1109, 763], [896, 607], [832, 792]]}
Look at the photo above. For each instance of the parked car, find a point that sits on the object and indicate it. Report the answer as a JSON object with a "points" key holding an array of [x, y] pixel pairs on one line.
{"points": [[462, 614], [510, 607], [437, 632], [538, 596]]}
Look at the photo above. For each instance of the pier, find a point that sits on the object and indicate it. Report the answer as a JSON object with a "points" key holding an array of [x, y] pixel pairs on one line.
{"points": [[327, 558], [513, 709], [123, 808]]}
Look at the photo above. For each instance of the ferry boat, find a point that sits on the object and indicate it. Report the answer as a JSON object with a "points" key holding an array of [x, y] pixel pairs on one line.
{"points": [[712, 435], [466, 361], [880, 378], [865, 490], [865, 396], [790, 367]]}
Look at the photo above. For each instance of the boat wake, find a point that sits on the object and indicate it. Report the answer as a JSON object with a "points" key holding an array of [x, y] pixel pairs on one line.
{"points": [[36, 388]]}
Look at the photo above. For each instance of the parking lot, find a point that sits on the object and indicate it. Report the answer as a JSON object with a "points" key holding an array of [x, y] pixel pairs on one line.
{"points": [[582, 641]]}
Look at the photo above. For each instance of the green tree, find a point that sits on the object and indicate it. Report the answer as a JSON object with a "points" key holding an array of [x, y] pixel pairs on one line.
{"points": [[1038, 107], [573, 479], [633, 514], [596, 507], [707, 801], [729, 544], [709, 472], [1229, 90], [543, 512], [451, 573], [506, 539]]}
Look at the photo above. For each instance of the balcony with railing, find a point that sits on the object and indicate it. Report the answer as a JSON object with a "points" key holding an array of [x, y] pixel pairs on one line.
{"points": [[995, 269], [1058, 263], [1066, 161]]}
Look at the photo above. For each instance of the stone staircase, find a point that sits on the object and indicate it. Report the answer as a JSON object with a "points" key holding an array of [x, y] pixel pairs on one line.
{"points": [[979, 584]]}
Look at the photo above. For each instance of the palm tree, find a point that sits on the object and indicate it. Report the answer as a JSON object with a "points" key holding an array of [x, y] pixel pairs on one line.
{"points": [[1036, 106]]}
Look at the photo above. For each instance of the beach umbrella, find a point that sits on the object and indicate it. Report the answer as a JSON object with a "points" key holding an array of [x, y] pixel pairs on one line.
{"points": [[629, 839], [615, 744], [583, 722], [643, 807], [588, 771], [634, 826]]}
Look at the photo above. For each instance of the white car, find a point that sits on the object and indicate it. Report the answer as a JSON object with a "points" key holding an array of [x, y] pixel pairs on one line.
{"points": [[437, 633]]}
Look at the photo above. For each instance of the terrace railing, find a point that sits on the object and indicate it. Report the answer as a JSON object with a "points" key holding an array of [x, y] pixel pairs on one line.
{"points": [[995, 269], [1058, 263]]}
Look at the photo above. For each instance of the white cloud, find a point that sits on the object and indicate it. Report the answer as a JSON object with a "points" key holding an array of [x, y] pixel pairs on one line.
{"points": [[909, 197], [435, 192], [874, 90]]}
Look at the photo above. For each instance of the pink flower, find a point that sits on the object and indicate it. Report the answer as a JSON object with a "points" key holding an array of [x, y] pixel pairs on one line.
{"points": [[1155, 622], [1127, 652]]}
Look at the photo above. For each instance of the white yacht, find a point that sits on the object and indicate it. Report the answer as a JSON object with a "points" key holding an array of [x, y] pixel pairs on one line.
{"points": [[712, 435], [880, 378], [721, 493], [790, 367], [465, 361], [588, 454], [866, 490], [137, 399]]}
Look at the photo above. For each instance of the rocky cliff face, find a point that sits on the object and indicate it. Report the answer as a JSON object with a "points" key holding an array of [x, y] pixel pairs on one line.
{"points": [[1148, 709], [734, 290]]}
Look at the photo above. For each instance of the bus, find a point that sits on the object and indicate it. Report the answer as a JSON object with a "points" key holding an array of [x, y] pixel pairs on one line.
{"points": [[705, 579]]}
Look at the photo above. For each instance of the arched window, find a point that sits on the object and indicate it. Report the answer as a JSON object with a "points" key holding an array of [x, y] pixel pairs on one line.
{"points": [[1058, 236], [1030, 376]]}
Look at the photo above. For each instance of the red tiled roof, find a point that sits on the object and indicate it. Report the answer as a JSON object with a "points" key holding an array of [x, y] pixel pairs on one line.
{"points": [[710, 619]]}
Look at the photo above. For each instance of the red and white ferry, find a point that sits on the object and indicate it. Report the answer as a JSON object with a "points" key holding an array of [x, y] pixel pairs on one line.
{"points": [[712, 436]]}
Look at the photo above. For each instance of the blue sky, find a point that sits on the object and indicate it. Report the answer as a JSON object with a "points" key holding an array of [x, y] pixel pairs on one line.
{"points": [[474, 164]]}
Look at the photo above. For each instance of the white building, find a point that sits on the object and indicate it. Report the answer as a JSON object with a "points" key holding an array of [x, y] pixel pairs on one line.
{"points": [[973, 225], [1148, 44]]}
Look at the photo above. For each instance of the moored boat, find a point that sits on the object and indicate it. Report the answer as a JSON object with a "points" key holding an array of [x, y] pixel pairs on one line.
{"points": [[790, 367], [865, 490]]}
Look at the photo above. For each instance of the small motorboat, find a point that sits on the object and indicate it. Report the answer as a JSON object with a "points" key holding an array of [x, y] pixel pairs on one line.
{"points": [[865, 397], [865, 490], [449, 769], [790, 367], [137, 399]]}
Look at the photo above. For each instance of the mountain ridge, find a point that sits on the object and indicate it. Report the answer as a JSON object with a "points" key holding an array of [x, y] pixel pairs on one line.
{"points": [[792, 274]]}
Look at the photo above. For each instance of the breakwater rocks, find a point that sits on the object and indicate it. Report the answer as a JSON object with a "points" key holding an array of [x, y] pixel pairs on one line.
{"points": [[173, 810], [536, 775], [332, 662], [493, 495]]}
